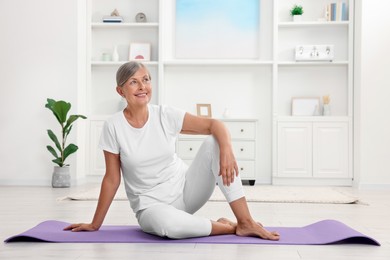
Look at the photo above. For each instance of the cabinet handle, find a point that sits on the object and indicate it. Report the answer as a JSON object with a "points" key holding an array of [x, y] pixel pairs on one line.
{"points": [[190, 148], [242, 149], [242, 130], [242, 168]]}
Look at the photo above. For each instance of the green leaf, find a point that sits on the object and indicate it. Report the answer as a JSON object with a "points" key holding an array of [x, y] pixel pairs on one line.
{"points": [[52, 151], [67, 131], [71, 119], [50, 103], [58, 161], [71, 148], [61, 109], [54, 138]]}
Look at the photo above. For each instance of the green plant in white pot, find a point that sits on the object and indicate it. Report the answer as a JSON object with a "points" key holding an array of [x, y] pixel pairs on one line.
{"points": [[61, 174], [296, 12]]}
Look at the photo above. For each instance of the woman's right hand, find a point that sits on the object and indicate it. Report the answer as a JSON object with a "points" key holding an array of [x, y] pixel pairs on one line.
{"points": [[81, 227]]}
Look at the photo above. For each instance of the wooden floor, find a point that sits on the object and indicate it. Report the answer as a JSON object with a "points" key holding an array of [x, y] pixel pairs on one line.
{"points": [[23, 207]]}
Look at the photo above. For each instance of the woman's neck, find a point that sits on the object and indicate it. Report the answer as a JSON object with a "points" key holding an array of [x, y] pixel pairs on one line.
{"points": [[136, 116]]}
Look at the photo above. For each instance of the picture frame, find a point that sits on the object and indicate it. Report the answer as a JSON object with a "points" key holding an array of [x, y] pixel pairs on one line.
{"points": [[139, 51], [305, 106], [203, 110]]}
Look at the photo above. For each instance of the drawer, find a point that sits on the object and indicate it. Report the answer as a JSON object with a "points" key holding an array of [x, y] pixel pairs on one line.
{"points": [[241, 130], [246, 169], [244, 149], [187, 149]]}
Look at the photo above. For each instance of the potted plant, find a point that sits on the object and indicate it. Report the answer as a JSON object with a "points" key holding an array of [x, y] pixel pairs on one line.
{"points": [[61, 174], [296, 12]]}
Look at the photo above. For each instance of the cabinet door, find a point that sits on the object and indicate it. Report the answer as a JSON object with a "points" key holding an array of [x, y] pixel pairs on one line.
{"points": [[294, 149], [330, 150]]}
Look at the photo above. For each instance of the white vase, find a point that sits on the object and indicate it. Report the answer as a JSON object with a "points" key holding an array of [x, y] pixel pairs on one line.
{"points": [[326, 111], [297, 18], [61, 177], [115, 55]]}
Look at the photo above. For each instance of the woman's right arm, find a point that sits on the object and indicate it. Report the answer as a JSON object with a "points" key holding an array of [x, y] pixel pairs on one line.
{"points": [[110, 184]]}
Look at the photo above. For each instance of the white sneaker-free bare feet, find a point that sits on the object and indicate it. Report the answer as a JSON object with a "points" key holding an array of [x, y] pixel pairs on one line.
{"points": [[254, 229]]}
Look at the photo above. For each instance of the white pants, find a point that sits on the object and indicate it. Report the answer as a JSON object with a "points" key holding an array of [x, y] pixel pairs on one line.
{"points": [[177, 220]]}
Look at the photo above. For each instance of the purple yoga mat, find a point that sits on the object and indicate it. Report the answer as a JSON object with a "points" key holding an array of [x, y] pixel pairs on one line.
{"points": [[319, 233]]}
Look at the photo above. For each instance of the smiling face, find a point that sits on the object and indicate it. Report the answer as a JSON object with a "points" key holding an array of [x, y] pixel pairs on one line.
{"points": [[137, 90]]}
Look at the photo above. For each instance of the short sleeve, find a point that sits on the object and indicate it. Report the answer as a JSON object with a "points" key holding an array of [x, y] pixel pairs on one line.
{"points": [[108, 139], [173, 119]]}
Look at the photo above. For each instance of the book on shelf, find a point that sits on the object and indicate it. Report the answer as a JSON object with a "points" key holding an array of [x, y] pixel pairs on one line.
{"points": [[112, 19], [337, 11]]}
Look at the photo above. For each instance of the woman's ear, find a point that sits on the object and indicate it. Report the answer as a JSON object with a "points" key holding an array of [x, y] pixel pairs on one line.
{"points": [[120, 91]]}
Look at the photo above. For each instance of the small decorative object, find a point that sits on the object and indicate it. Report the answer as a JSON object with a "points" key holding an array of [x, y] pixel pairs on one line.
{"points": [[305, 106], [115, 55], [113, 18], [61, 174], [296, 12], [106, 56], [326, 101], [139, 51], [140, 18], [203, 110], [314, 52]]}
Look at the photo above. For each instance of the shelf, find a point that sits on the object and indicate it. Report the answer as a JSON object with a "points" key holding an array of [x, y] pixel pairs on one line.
{"points": [[221, 62], [123, 25], [312, 119], [312, 63], [313, 24], [116, 63]]}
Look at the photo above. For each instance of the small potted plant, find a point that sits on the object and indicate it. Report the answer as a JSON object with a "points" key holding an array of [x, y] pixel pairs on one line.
{"points": [[61, 174], [296, 12]]}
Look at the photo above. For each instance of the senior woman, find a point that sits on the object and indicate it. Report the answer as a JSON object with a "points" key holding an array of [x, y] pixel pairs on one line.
{"points": [[163, 191]]}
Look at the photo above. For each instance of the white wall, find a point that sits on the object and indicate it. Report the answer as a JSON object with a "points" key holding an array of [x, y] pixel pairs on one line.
{"points": [[38, 46], [372, 95]]}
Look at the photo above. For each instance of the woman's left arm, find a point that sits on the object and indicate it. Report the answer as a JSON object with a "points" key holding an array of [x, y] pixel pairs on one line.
{"points": [[206, 126]]}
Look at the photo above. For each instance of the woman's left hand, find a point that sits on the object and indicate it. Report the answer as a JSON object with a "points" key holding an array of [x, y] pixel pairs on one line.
{"points": [[228, 166]]}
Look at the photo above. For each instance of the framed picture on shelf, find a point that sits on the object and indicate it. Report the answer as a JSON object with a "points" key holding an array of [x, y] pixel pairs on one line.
{"points": [[203, 110], [305, 106], [139, 51]]}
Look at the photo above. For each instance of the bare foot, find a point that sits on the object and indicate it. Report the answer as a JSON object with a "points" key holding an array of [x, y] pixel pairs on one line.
{"points": [[227, 222], [254, 229]]}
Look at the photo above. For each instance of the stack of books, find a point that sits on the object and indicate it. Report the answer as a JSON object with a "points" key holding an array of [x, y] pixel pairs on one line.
{"points": [[112, 19], [337, 12]]}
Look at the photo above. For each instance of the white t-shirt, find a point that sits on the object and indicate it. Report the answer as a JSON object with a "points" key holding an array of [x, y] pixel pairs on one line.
{"points": [[152, 172]]}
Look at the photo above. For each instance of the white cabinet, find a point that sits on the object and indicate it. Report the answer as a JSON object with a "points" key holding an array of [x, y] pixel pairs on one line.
{"points": [[313, 150], [243, 134], [96, 162]]}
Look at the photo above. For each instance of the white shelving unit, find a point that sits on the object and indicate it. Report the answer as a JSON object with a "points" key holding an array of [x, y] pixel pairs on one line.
{"points": [[313, 149], [258, 88]]}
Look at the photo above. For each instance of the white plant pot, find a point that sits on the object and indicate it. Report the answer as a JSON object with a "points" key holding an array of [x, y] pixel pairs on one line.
{"points": [[297, 18], [61, 177]]}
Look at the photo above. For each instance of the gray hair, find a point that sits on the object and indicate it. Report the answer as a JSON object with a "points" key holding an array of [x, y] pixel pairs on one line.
{"points": [[127, 70]]}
